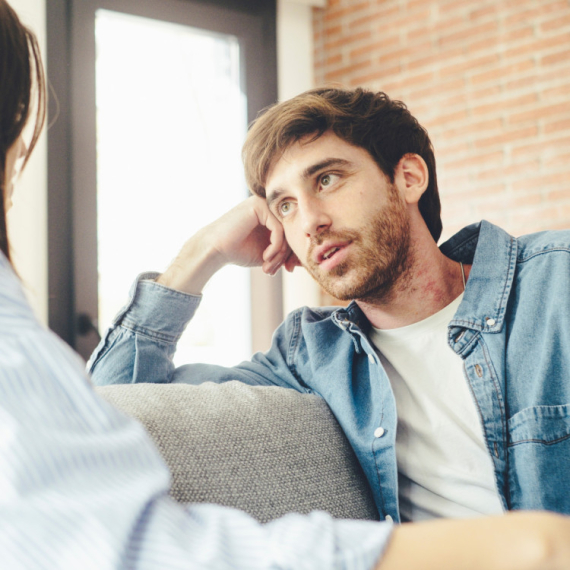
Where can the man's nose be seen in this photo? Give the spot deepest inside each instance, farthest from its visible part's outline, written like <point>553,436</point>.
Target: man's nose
<point>314,217</point>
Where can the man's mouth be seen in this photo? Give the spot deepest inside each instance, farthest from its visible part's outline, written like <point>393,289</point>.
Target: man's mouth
<point>326,253</point>
<point>330,252</point>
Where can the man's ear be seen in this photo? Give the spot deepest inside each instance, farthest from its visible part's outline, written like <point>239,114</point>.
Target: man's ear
<point>412,177</point>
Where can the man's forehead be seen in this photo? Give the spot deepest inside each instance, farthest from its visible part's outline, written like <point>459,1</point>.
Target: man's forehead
<point>306,151</point>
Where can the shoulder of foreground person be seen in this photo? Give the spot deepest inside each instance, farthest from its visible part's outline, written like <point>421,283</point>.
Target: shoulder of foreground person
<point>83,485</point>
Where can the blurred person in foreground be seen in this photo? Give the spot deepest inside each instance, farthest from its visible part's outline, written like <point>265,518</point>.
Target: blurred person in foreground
<point>82,486</point>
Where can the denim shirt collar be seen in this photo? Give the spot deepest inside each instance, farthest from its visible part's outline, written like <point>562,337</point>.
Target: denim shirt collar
<point>493,254</point>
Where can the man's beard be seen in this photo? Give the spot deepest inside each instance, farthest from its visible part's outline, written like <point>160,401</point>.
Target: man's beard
<point>379,261</point>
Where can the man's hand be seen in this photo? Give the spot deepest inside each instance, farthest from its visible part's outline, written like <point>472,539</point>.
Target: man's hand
<point>248,235</point>
<point>515,541</point>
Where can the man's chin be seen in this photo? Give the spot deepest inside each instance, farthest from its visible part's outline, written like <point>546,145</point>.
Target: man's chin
<point>343,288</point>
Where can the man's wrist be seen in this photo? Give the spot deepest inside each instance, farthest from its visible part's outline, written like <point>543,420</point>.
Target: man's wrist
<point>196,263</point>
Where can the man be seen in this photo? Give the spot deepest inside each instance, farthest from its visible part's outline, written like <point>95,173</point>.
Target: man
<point>467,342</point>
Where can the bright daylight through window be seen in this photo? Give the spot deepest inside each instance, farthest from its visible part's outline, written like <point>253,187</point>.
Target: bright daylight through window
<point>171,118</point>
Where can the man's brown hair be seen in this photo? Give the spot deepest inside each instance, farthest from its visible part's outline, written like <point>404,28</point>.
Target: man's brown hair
<point>372,121</point>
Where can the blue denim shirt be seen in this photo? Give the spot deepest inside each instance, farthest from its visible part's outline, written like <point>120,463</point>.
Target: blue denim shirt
<point>512,330</point>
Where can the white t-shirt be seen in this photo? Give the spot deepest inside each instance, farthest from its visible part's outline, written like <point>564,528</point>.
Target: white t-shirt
<point>444,467</point>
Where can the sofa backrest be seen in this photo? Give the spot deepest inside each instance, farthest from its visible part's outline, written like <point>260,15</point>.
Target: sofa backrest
<point>265,450</point>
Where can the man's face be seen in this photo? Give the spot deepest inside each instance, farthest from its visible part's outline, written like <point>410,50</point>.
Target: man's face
<point>344,220</point>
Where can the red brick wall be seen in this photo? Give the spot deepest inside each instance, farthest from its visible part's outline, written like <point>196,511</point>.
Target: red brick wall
<point>489,79</point>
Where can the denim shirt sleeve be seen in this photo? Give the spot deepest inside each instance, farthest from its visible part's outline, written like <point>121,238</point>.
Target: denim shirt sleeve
<point>140,345</point>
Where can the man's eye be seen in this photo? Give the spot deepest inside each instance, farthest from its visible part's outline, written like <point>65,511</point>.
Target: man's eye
<point>327,180</point>
<point>284,208</point>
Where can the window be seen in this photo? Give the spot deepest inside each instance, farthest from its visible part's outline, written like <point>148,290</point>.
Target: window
<point>160,94</point>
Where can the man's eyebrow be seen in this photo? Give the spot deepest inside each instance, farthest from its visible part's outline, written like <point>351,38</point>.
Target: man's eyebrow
<point>308,173</point>
<point>328,162</point>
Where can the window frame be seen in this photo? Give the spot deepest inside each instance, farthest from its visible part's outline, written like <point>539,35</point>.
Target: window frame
<point>72,184</point>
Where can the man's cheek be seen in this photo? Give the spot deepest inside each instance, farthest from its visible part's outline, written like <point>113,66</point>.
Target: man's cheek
<point>299,254</point>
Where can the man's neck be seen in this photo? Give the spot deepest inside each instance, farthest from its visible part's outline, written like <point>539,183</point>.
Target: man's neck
<point>432,282</point>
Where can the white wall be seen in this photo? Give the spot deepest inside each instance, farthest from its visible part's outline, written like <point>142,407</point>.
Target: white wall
<point>295,75</point>
<point>28,217</point>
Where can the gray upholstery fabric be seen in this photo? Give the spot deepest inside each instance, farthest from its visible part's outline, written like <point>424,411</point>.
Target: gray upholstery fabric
<point>267,451</point>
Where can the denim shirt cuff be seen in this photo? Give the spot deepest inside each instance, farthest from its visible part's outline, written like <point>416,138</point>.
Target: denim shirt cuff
<point>156,310</point>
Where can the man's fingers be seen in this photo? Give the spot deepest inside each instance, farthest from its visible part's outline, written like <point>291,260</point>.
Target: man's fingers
<point>278,249</point>
<point>291,262</point>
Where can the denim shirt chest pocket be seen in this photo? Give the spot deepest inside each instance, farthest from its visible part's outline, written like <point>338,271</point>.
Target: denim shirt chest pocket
<point>539,457</point>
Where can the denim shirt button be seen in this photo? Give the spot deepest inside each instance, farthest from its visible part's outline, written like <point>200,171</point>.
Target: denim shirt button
<point>379,432</point>
<point>371,359</point>
<point>490,322</point>
<point>389,518</point>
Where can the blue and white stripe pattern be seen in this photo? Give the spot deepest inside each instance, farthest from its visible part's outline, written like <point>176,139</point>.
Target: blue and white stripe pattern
<point>82,486</point>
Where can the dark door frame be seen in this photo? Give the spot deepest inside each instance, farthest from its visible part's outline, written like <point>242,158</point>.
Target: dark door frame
<point>72,224</point>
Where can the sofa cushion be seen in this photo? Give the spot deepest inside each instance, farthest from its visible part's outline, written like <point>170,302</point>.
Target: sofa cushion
<point>265,450</point>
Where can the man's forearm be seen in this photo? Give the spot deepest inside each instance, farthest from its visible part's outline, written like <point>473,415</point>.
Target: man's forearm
<point>248,235</point>
<point>516,541</point>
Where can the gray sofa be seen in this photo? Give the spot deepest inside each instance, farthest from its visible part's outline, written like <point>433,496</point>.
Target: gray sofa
<point>266,451</point>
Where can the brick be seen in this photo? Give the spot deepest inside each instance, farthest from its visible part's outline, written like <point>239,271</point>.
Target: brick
<point>559,57</point>
<point>435,59</point>
<point>540,112</point>
<point>522,15</point>
<point>456,5</point>
<point>507,137</point>
<point>556,126</point>
<point>468,32</point>
<point>492,43</point>
<point>538,45</point>
<point>484,12</point>
<point>433,29</point>
<point>402,22</point>
<point>441,88</point>
<point>333,60</point>
<point>539,147</point>
<point>449,118</point>
<point>337,13</point>
<point>397,55</point>
<point>366,80</point>
<point>555,23</point>
<point>558,160</point>
<point>504,104</point>
<point>512,36</point>
<point>415,4</point>
<point>469,65</point>
<point>536,182</point>
<point>483,191</point>
<point>481,126</point>
<point>346,39</point>
<point>503,71</point>
<point>477,160</point>
<point>517,4</point>
<point>339,73</point>
<point>333,30</point>
<point>374,16</point>
<point>508,172</point>
<point>555,92</point>
<point>381,45</point>
<point>558,195</point>
<point>412,80</point>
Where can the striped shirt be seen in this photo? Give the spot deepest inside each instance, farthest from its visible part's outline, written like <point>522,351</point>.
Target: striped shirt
<point>83,487</point>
